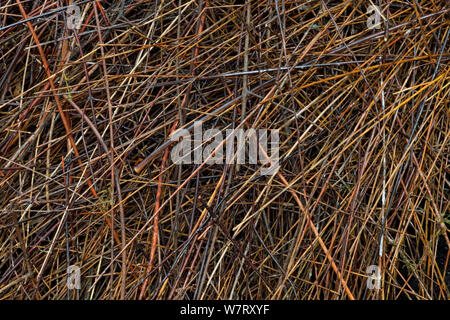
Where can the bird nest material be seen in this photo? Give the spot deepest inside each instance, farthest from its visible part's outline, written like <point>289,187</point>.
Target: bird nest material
<point>92,91</point>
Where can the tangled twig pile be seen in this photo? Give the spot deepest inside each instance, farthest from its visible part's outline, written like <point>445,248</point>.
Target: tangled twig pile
<point>87,179</point>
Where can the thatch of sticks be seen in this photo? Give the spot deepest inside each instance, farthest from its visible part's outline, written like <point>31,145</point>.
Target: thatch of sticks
<point>359,208</point>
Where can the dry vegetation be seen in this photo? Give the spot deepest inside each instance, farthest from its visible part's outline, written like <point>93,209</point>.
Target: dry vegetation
<point>86,178</point>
